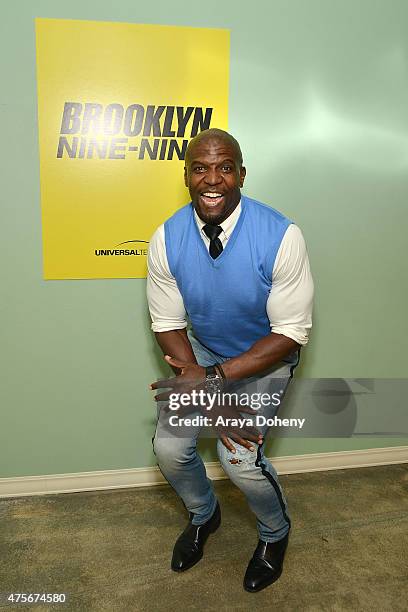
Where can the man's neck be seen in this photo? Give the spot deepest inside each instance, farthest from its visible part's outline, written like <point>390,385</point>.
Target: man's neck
<point>228,224</point>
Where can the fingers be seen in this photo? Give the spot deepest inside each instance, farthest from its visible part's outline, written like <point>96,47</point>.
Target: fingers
<point>242,442</point>
<point>183,411</point>
<point>165,383</point>
<point>228,444</point>
<point>173,383</point>
<point>248,432</point>
<point>163,397</point>
<point>238,439</point>
<point>176,363</point>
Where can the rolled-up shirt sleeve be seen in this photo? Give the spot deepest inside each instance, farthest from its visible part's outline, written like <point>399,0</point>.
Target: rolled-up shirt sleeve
<point>164,298</point>
<point>290,302</point>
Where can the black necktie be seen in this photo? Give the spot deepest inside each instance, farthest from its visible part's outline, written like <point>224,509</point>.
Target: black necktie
<point>213,231</point>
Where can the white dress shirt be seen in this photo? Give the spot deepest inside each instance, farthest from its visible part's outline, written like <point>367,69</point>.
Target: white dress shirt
<point>290,300</point>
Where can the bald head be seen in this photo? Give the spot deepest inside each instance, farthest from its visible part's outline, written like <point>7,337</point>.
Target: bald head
<point>214,134</point>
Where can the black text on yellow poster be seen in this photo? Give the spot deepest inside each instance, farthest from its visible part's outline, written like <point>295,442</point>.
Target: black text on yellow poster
<point>117,105</point>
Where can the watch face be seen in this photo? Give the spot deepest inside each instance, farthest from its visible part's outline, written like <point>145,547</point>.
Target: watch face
<point>213,385</point>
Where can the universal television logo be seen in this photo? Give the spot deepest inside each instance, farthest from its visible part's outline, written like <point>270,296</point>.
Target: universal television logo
<point>115,252</point>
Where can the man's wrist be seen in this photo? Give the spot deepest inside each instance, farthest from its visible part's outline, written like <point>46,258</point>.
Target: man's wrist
<point>213,380</point>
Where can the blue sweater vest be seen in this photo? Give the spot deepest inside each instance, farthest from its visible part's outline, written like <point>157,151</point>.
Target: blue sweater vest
<point>225,298</point>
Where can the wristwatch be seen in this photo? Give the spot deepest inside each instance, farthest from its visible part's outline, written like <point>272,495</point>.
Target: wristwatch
<point>213,381</point>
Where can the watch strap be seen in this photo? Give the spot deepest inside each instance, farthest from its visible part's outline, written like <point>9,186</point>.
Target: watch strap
<point>211,372</point>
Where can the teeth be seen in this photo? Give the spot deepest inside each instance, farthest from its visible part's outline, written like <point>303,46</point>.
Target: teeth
<point>212,195</point>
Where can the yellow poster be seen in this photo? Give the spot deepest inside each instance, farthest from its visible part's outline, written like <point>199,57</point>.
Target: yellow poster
<point>117,106</point>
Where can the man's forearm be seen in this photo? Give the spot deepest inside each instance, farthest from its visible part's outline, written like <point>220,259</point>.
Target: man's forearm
<point>262,355</point>
<point>176,344</point>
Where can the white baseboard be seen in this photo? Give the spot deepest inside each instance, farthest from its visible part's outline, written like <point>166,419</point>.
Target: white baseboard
<point>151,476</point>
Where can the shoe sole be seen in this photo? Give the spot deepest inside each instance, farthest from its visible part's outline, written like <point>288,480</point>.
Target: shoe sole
<point>190,565</point>
<point>274,579</point>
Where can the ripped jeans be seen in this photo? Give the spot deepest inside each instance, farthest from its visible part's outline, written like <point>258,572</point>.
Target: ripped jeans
<point>251,471</point>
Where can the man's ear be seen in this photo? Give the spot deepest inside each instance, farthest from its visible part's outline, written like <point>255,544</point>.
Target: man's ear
<point>185,176</point>
<point>242,175</point>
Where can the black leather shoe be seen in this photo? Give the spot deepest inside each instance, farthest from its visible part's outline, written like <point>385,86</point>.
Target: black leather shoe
<point>266,565</point>
<point>188,549</point>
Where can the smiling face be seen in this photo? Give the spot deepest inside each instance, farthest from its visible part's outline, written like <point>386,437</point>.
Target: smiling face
<point>214,175</point>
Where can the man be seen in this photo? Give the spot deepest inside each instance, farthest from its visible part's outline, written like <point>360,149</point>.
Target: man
<point>241,272</point>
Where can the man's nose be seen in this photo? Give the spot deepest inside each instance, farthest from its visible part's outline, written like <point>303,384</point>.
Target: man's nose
<point>213,177</point>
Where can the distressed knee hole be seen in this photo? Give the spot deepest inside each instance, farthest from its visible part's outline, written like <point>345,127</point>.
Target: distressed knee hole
<point>235,461</point>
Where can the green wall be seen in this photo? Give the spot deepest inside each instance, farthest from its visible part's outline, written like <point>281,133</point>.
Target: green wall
<point>318,100</point>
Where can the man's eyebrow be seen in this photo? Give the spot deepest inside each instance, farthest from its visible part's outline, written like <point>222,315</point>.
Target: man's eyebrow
<point>224,161</point>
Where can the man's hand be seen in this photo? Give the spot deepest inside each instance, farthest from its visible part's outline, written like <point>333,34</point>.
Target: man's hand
<point>192,377</point>
<point>241,435</point>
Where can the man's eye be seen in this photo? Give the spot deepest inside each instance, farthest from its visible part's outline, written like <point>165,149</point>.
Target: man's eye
<point>199,169</point>
<point>226,168</point>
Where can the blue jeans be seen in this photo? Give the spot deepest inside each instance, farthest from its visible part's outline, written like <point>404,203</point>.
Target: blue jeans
<point>251,471</point>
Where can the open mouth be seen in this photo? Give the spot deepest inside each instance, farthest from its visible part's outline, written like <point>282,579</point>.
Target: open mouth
<point>211,198</point>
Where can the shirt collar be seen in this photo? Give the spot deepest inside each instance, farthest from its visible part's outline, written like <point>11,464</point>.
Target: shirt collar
<point>227,225</point>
